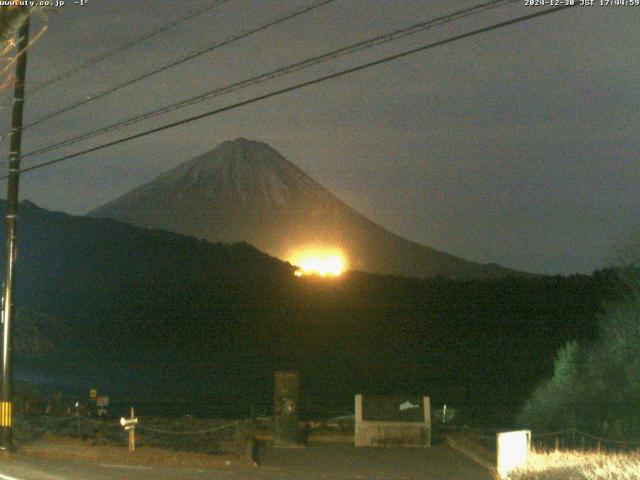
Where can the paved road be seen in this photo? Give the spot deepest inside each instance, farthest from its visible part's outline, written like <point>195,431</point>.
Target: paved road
<point>56,469</point>
<point>342,462</point>
<point>314,462</point>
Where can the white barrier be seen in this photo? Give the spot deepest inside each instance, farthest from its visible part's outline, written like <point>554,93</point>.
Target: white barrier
<point>513,450</point>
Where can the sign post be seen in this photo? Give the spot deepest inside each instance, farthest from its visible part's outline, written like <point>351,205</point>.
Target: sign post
<point>102,402</point>
<point>129,425</point>
<point>285,409</point>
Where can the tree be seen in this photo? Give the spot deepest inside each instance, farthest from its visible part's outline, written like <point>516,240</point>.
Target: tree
<point>598,382</point>
<point>554,404</point>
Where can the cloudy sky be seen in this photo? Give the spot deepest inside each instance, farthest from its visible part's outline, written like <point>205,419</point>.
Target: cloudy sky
<point>518,146</point>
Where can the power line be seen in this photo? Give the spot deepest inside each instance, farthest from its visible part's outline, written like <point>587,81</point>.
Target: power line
<point>279,72</point>
<point>117,51</point>
<point>126,46</point>
<point>191,56</point>
<point>298,86</point>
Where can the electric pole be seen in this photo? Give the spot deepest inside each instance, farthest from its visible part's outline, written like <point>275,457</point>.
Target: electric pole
<point>6,413</point>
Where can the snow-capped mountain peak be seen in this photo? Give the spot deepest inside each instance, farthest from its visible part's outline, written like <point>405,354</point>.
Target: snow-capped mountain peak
<point>245,190</point>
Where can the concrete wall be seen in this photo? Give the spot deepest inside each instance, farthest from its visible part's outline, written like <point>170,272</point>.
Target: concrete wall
<point>393,433</point>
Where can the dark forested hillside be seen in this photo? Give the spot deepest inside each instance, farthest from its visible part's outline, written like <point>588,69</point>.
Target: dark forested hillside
<point>151,313</point>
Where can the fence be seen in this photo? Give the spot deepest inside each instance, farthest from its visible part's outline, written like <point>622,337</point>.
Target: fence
<point>567,439</point>
<point>574,439</point>
<point>184,434</point>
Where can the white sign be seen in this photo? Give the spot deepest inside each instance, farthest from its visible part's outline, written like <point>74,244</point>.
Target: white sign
<point>128,423</point>
<point>513,449</point>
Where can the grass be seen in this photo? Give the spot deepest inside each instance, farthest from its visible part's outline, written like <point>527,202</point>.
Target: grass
<point>574,465</point>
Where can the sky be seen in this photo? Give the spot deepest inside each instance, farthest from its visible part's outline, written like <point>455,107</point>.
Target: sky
<point>518,146</point>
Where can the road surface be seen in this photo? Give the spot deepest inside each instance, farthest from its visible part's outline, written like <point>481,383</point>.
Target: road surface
<point>313,462</point>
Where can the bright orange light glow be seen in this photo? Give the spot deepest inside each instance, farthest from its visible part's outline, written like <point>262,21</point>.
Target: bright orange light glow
<point>325,262</point>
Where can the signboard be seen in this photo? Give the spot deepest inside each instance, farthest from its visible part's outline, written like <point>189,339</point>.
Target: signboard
<point>129,423</point>
<point>513,450</point>
<point>102,401</point>
<point>392,421</point>
<point>93,393</point>
<point>376,408</point>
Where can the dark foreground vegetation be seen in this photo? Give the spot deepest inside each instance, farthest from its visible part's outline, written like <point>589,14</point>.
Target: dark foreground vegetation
<point>152,316</point>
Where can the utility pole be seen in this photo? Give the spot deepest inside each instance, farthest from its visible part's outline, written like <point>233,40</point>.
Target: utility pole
<point>6,413</point>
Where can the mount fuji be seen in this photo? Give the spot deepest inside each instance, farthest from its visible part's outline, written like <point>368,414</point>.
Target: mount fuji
<point>246,191</point>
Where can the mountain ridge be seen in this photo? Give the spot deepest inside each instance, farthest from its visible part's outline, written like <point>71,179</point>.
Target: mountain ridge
<point>142,312</point>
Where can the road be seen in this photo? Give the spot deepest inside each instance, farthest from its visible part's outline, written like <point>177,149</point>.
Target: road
<point>314,462</point>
